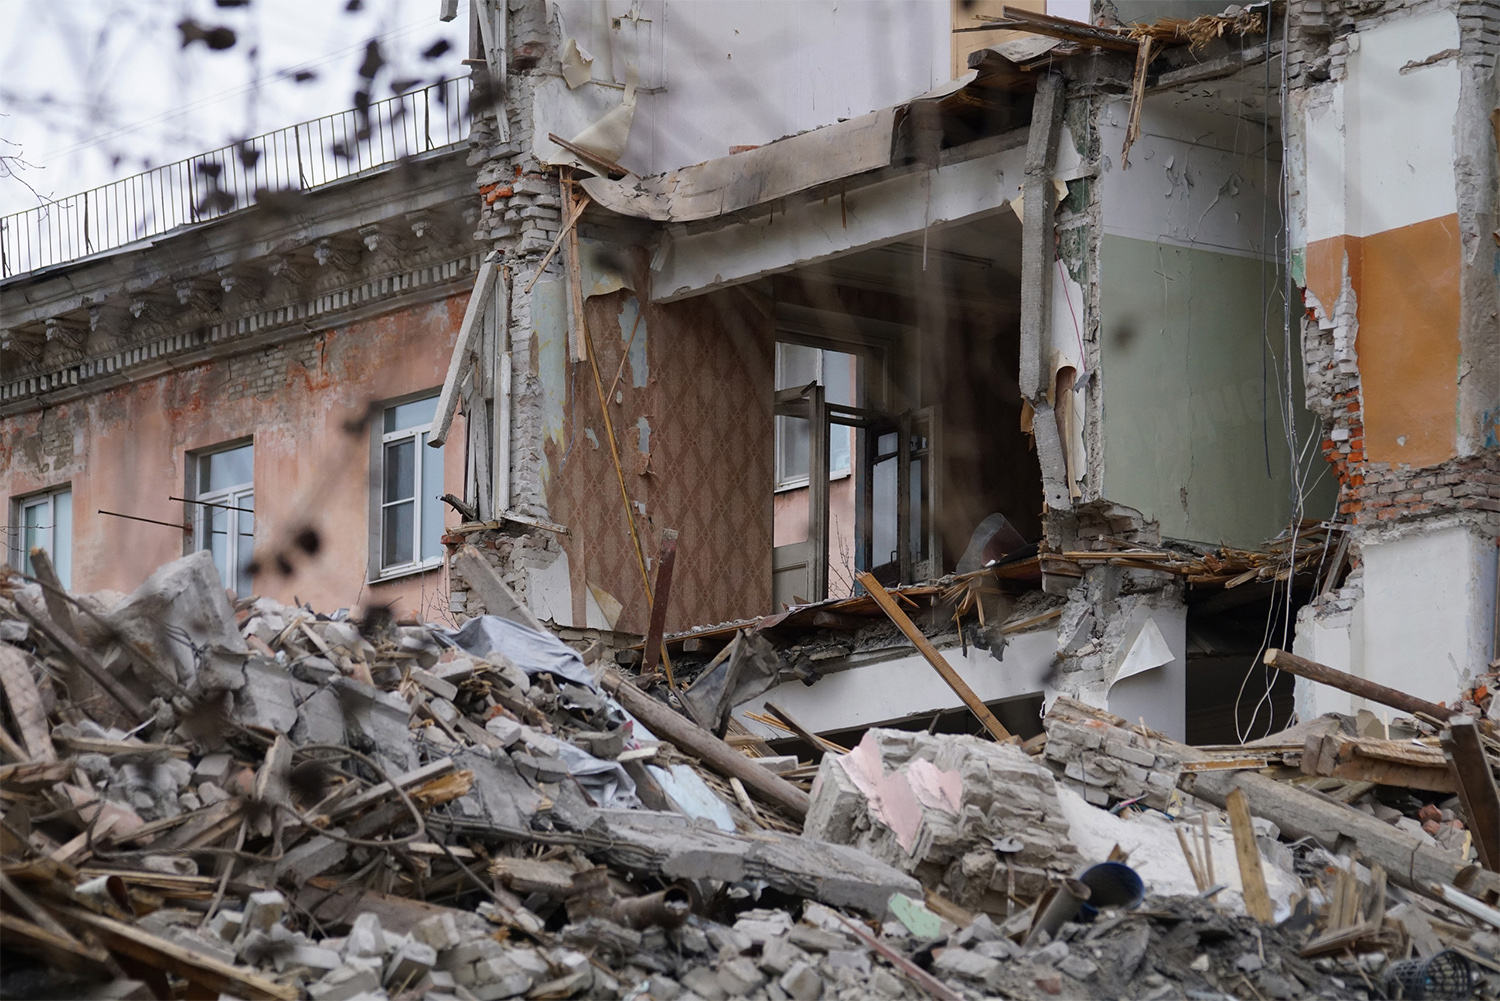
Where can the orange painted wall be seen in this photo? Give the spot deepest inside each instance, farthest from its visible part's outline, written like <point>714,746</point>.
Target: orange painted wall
<point>1406,284</point>
<point>130,446</point>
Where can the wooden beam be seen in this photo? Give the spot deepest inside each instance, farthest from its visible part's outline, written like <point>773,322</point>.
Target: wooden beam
<point>926,649</point>
<point>1020,19</point>
<point>1408,861</point>
<point>1252,878</point>
<point>25,701</point>
<point>818,744</point>
<point>127,699</point>
<point>196,968</point>
<point>463,347</point>
<point>1325,675</point>
<point>1476,787</point>
<point>663,593</point>
<point>693,739</point>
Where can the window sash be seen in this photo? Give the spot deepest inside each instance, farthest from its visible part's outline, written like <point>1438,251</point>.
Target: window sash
<point>47,521</point>
<point>407,541</point>
<point>791,471</point>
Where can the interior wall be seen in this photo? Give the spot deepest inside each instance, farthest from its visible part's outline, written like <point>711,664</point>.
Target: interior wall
<point>1191,315</point>
<point>692,416</point>
<point>125,450</point>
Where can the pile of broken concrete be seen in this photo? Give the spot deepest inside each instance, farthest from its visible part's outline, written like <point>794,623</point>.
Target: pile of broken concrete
<point>205,797</point>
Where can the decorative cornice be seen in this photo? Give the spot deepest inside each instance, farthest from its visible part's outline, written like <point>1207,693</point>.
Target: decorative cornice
<point>319,311</point>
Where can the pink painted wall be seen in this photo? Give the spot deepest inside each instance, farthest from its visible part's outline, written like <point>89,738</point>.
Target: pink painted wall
<point>125,450</point>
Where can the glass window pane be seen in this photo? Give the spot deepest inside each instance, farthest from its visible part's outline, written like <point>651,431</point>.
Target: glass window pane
<point>400,470</point>
<point>417,413</point>
<point>218,542</point>
<point>244,542</point>
<point>839,437</point>
<point>432,508</point>
<point>33,518</point>
<point>396,534</point>
<point>228,469</point>
<point>62,536</point>
<point>796,365</point>
<point>883,519</point>
<point>838,377</point>
<point>793,452</point>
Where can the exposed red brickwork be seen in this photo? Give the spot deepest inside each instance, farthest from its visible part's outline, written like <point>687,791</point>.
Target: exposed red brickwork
<point>1380,492</point>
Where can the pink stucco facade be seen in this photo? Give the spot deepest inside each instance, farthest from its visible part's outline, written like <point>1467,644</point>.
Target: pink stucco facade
<point>303,402</point>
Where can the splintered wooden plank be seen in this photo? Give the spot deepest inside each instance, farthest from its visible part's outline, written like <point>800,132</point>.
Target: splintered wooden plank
<point>1247,853</point>
<point>196,968</point>
<point>927,650</point>
<point>1476,787</point>
<point>25,701</point>
<point>658,625</point>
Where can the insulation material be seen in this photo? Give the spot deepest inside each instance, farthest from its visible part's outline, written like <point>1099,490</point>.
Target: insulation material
<point>1070,373</point>
<point>1146,652</point>
<point>577,64</point>
<point>610,134</point>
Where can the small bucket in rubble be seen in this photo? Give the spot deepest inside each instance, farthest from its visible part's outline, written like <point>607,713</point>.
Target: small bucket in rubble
<point>1111,884</point>
<point>1446,975</point>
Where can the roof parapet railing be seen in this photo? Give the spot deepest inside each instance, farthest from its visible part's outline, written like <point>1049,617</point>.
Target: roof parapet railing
<point>300,157</point>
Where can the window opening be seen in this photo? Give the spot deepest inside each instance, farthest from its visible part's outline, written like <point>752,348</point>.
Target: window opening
<point>799,365</point>
<point>411,477</point>
<point>47,522</point>
<point>224,515</point>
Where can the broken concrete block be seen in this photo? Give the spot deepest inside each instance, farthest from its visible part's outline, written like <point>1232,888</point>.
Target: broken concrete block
<point>213,768</point>
<point>263,910</point>
<point>1050,954</point>
<point>316,958</point>
<point>702,981</point>
<point>998,948</point>
<point>365,937</point>
<point>408,964</point>
<point>1078,967</point>
<point>739,977</point>
<point>777,955</point>
<point>802,983</point>
<point>344,983</point>
<point>227,924</point>
<point>181,621</point>
<point>762,925</point>
<point>320,720</point>
<point>266,698</point>
<point>439,931</point>
<point>966,965</point>
<point>817,939</point>
<point>504,729</point>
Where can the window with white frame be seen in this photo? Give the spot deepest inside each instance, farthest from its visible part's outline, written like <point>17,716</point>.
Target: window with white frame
<point>798,365</point>
<point>411,482</point>
<point>46,521</point>
<point>223,483</point>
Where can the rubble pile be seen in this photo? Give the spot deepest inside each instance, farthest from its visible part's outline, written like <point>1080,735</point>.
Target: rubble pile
<point>208,798</point>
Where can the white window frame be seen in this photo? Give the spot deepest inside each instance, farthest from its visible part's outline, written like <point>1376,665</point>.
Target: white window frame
<point>234,497</point>
<point>21,550</point>
<point>417,500</point>
<point>800,480</point>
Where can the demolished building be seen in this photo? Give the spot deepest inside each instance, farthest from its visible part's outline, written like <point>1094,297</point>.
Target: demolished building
<point>1092,313</point>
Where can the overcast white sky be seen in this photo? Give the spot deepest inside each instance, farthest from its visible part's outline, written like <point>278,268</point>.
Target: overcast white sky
<point>95,90</point>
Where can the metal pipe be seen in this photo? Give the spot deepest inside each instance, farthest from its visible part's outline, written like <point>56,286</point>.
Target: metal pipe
<point>149,521</point>
<point>665,909</point>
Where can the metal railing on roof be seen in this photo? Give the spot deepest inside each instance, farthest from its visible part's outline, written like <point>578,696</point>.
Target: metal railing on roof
<point>210,185</point>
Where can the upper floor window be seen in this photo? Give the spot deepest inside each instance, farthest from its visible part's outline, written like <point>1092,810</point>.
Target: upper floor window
<point>223,485</point>
<point>798,365</point>
<point>411,481</point>
<point>46,521</point>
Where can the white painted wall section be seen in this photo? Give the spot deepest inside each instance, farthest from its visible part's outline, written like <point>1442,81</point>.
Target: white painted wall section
<point>722,73</point>
<point>1196,177</point>
<point>904,686</point>
<point>1401,147</point>
<point>1159,696</point>
<point>1429,601</point>
<point>1336,640</point>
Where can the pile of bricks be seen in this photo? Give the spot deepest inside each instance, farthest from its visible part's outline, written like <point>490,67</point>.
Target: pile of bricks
<point>1106,762</point>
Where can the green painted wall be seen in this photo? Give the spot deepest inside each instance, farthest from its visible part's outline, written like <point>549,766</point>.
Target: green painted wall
<point>1183,342</point>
